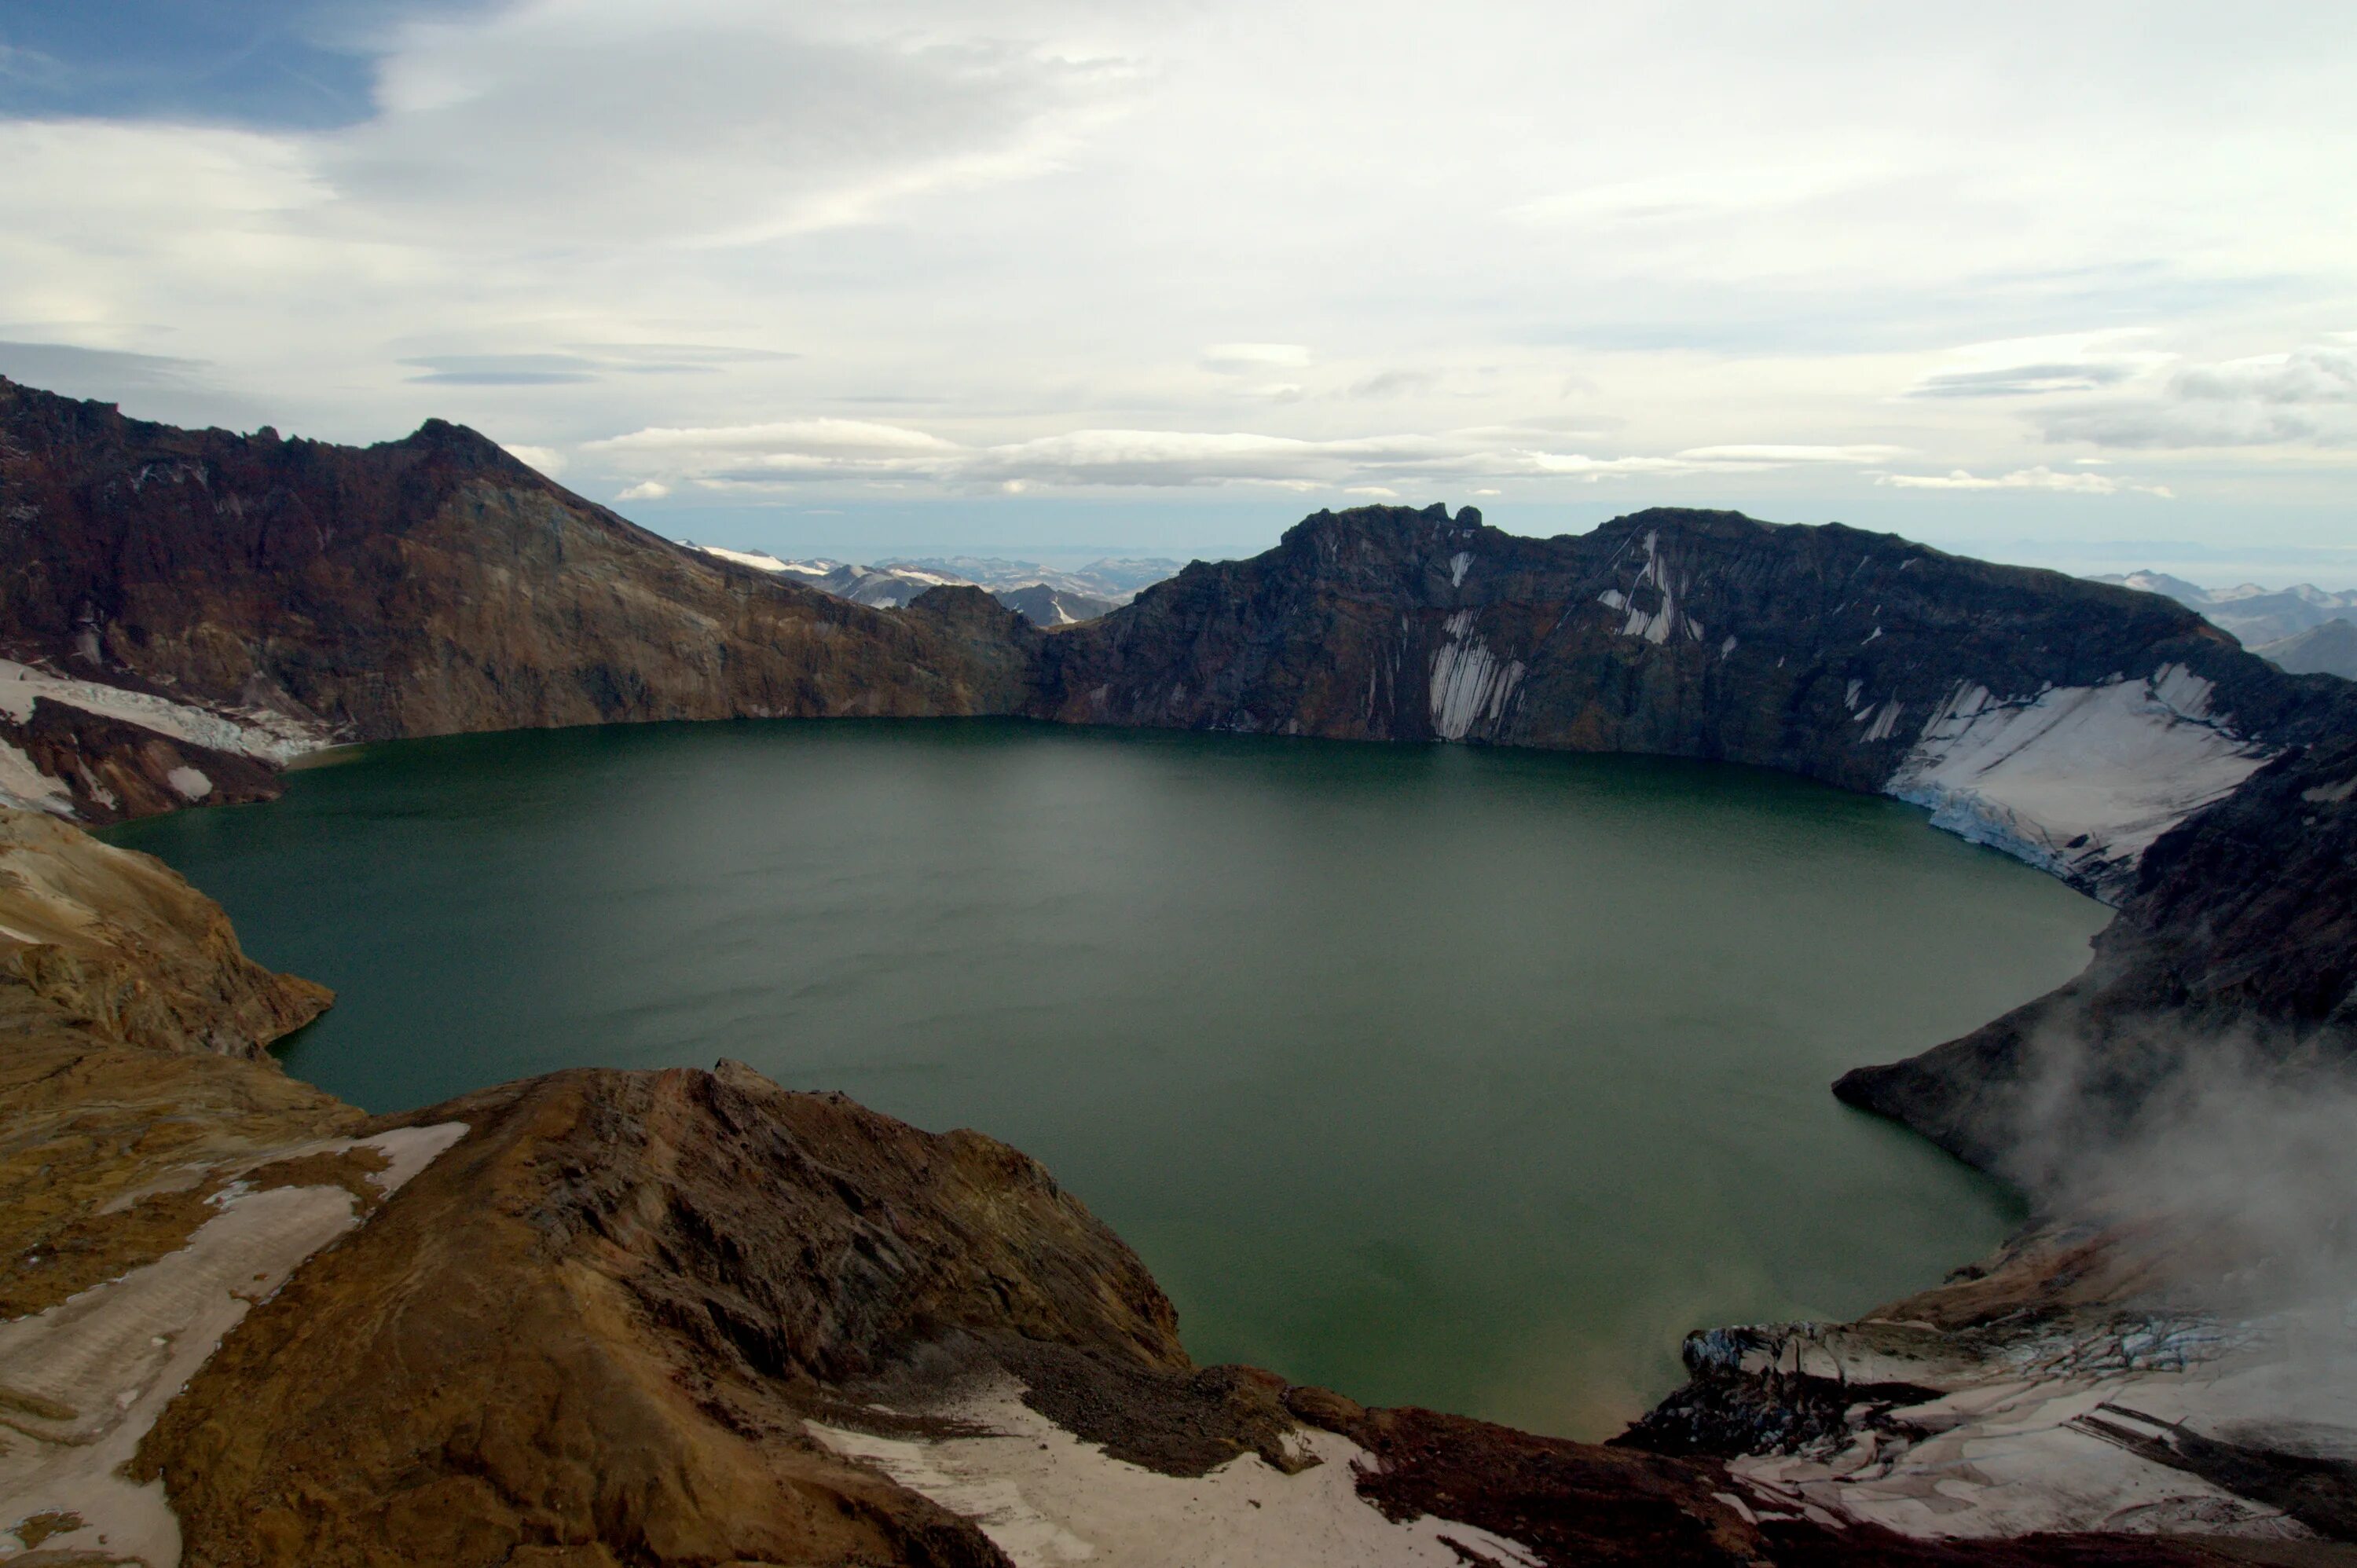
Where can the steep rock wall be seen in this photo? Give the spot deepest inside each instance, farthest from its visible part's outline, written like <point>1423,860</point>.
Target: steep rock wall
<point>2068,722</point>
<point>248,596</point>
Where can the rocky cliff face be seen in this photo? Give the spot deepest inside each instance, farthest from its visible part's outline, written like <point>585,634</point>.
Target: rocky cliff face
<point>238,599</point>
<point>2066,722</point>
<point>114,945</point>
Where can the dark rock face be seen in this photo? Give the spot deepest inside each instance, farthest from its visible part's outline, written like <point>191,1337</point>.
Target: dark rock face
<point>424,587</point>
<point>1681,633</point>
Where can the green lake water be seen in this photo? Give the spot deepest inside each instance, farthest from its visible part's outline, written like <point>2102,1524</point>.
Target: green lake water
<point>1437,1075</point>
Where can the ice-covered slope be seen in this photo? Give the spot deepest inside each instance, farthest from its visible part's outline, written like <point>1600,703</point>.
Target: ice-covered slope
<point>2075,777</point>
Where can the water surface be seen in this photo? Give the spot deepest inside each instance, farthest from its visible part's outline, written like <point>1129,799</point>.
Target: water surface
<point>1438,1075</point>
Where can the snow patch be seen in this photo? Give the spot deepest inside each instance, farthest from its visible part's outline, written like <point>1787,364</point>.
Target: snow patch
<point>22,784</point>
<point>1470,684</point>
<point>1047,1498</point>
<point>1664,623</point>
<point>760,560</point>
<point>1456,565</point>
<point>2079,780</point>
<point>249,732</point>
<point>190,782</point>
<point>115,1354</point>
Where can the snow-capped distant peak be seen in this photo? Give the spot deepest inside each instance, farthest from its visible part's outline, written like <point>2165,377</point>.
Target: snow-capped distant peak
<point>762,560</point>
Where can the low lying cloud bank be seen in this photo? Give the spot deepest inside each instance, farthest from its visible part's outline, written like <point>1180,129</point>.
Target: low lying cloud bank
<point>795,451</point>
<point>2080,482</point>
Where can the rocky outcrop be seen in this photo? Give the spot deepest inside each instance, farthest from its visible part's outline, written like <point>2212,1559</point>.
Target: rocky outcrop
<point>2085,1379</point>
<point>151,1169</point>
<point>253,595</point>
<point>108,943</point>
<point>603,1318</point>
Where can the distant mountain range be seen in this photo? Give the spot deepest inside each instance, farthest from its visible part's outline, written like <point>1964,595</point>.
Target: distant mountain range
<point>1043,596</point>
<point>2305,629</point>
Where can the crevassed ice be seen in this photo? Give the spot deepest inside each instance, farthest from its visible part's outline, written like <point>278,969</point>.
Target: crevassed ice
<point>2077,779</point>
<point>270,736</point>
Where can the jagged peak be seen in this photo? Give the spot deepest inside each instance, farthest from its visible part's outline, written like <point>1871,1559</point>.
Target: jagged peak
<point>441,434</point>
<point>1395,521</point>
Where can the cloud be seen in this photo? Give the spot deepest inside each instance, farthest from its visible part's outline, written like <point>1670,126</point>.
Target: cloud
<point>28,68</point>
<point>1394,383</point>
<point>1775,455</point>
<point>1691,194</point>
<point>742,122</point>
<point>503,370</point>
<point>786,451</point>
<point>548,460</point>
<point>588,362</point>
<point>799,451</point>
<point>644,490</point>
<point>64,368</point>
<point>1235,358</point>
<point>1040,221</point>
<point>2319,373</point>
<point>2306,396</point>
<point>2043,367</point>
<point>2038,478</point>
<point>2020,380</point>
<point>668,358</point>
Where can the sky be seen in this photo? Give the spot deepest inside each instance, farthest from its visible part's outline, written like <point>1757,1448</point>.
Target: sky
<point>2071,284</point>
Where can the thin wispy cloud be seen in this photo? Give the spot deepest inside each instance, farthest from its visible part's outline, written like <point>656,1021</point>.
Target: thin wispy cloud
<point>797,452</point>
<point>2085,482</point>
<point>2302,397</point>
